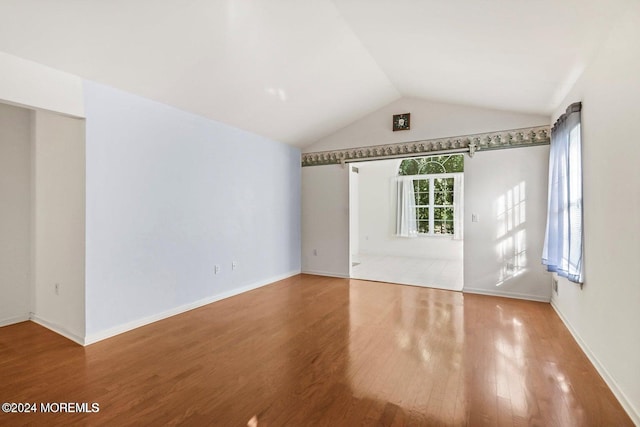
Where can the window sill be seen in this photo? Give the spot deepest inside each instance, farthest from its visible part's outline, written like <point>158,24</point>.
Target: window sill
<point>435,236</point>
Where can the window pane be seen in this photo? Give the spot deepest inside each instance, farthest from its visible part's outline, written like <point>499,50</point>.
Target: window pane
<point>409,167</point>
<point>421,190</point>
<point>443,227</point>
<point>432,165</point>
<point>422,213</point>
<point>443,214</point>
<point>454,163</point>
<point>443,198</point>
<point>449,184</point>
<point>423,226</point>
<point>437,227</point>
<point>443,184</point>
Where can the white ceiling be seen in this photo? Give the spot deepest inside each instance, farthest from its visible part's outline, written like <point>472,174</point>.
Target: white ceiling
<point>296,71</point>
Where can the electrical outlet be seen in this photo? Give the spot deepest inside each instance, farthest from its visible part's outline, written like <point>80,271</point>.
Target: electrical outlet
<point>315,252</point>
<point>555,285</point>
<point>216,269</point>
<point>56,288</point>
<point>234,264</point>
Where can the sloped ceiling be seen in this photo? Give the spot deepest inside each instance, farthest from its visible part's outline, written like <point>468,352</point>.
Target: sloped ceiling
<point>296,71</point>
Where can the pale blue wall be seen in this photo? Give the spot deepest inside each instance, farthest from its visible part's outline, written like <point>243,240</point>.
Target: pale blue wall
<point>170,194</point>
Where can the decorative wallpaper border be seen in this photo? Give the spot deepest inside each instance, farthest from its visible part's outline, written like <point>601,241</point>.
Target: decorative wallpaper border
<point>524,137</point>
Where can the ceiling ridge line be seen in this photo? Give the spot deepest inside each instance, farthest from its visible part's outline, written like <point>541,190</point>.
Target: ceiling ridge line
<point>367,50</point>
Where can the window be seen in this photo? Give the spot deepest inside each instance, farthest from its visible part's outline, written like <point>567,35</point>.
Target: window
<point>563,246</point>
<point>436,217</point>
<point>434,192</point>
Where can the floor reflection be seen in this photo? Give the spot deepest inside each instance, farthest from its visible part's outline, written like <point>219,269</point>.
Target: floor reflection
<point>449,358</point>
<point>413,361</point>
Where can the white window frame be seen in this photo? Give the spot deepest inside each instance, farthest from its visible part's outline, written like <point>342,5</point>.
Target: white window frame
<point>432,206</point>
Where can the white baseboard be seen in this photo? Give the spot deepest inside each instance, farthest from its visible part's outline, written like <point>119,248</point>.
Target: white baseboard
<point>632,411</point>
<point>57,329</point>
<point>111,332</point>
<point>325,273</point>
<point>516,295</point>
<point>15,319</point>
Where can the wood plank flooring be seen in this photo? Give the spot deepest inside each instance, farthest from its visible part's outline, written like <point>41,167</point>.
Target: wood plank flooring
<point>312,350</point>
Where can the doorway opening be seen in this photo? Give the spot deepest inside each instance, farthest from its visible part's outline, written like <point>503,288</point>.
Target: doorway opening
<point>406,221</point>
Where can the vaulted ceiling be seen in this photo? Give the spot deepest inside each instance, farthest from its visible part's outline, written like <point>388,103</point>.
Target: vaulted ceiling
<point>296,71</point>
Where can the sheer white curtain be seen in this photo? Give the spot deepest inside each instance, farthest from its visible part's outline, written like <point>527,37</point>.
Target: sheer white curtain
<point>458,206</point>
<point>563,247</point>
<point>406,225</point>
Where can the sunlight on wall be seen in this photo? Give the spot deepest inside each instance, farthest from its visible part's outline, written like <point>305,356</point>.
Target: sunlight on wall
<point>511,237</point>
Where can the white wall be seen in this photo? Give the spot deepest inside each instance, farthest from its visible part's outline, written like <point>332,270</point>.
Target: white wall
<point>354,213</point>
<point>33,85</point>
<point>55,190</point>
<point>604,315</point>
<point>170,195</point>
<point>15,214</point>
<point>428,120</point>
<point>325,220</point>
<point>507,190</point>
<point>325,188</point>
<point>59,223</point>
<point>377,218</point>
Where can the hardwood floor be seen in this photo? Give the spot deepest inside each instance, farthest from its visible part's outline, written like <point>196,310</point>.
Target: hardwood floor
<point>312,351</point>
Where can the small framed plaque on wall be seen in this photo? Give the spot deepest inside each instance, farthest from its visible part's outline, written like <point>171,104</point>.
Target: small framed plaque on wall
<point>401,121</point>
